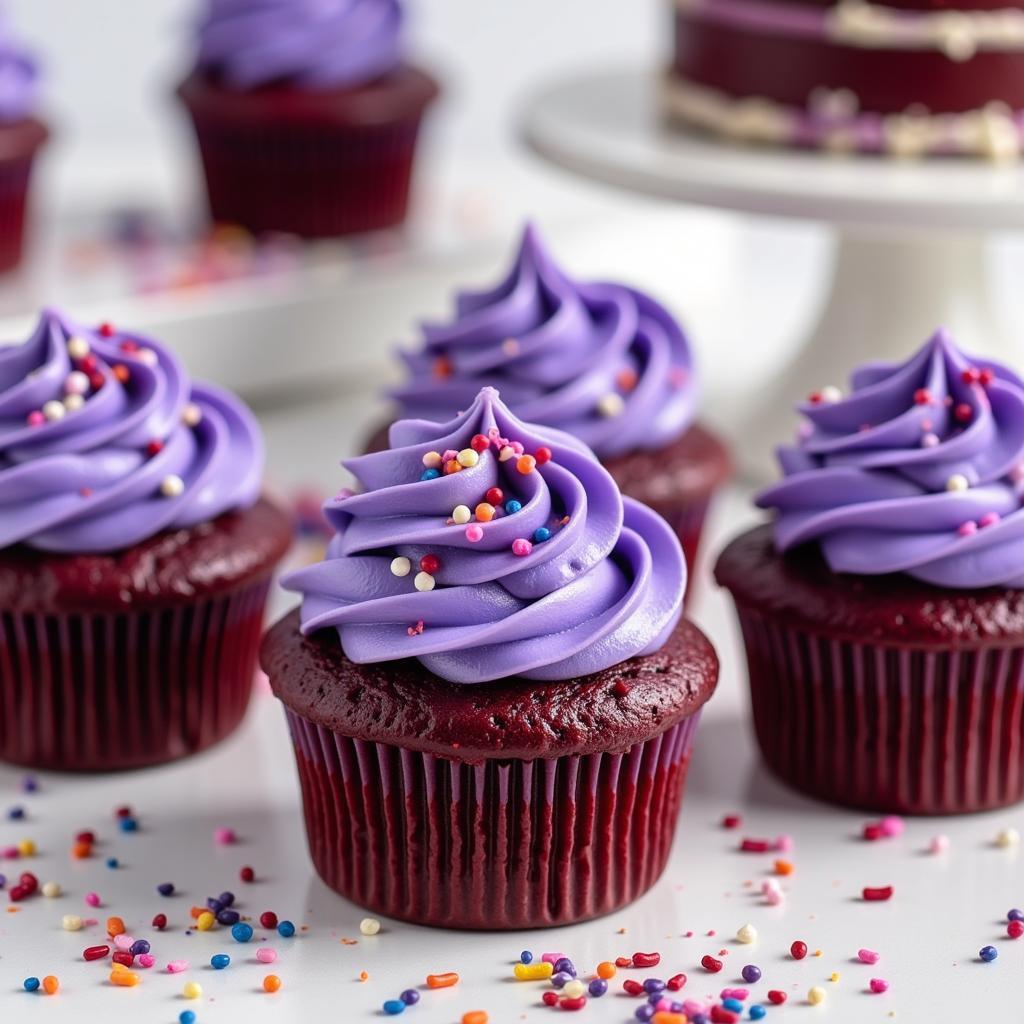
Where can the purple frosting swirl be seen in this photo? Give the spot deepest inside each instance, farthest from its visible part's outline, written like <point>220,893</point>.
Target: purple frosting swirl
<point>917,471</point>
<point>104,442</point>
<point>318,44</point>
<point>601,361</point>
<point>19,76</point>
<point>573,581</point>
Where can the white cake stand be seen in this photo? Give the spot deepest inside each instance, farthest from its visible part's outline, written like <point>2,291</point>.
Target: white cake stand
<point>910,253</point>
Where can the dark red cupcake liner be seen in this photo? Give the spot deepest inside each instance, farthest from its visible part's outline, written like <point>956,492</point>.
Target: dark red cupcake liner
<point>899,729</point>
<point>112,691</point>
<point>499,845</point>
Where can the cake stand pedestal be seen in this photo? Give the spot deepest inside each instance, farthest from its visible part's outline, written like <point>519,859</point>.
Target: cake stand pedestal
<point>910,253</point>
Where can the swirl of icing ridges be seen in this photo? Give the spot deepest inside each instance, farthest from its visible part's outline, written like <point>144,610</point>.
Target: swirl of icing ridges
<point>600,361</point>
<point>557,576</point>
<point>104,441</point>
<point>313,43</point>
<point>917,471</point>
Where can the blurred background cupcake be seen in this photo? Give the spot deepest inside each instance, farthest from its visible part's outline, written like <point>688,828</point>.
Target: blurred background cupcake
<point>306,114</point>
<point>21,135</point>
<point>601,361</point>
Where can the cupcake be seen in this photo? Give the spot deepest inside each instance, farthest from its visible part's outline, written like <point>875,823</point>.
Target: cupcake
<point>21,135</point>
<point>883,610</point>
<point>306,114</point>
<point>490,688</point>
<point>135,552</point>
<point>603,362</point>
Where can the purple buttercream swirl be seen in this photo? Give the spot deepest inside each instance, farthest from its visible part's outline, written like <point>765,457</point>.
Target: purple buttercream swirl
<point>917,471</point>
<point>601,361</point>
<point>606,584</point>
<point>104,442</point>
<point>318,44</point>
<point>18,77</point>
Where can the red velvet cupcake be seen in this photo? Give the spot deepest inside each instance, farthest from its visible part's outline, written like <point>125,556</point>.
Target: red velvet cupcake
<point>603,362</point>
<point>883,616</point>
<point>306,115</point>
<point>135,552</point>
<point>501,736</point>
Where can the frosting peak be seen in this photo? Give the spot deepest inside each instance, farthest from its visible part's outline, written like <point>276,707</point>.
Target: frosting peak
<point>600,361</point>
<point>488,548</point>
<point>104,441</point>
<point>918,470</point>
<point>320,44</point>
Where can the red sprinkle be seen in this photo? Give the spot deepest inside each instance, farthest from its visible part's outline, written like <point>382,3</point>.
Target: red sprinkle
<point>720,1015</point>
<point>963,413</point>
<point>247,874</point>
<point>756,845</point>
<point>633,988</point>
<point>542,455</point>
<point>620,688</point>
<point>95,952</point>
<point>549,998</point>
<point>268,919</point>
<point>495,496</point>
<point>872,832</point>
<point>565,1003</point>
<point>878,894</point>
<point>480,443</point>
<point>985,377</point>
<point>1015,929</point>
<point>646,959</point>
<point>676,982</point>
<point>623,961</point>
<point>17,893</point>
<point>123,812</point>
<point>922,396</point>
<point>798,950</point>
<point>160,922</point>
<point>29,882</point>
<point>123,957</point>
<point>777,996</point>
<point>155,447</point>
<point>430,563</point>
<point>710,964</point>
<point>106,329</point>
<point>87,836</point>
<point>732,821</point>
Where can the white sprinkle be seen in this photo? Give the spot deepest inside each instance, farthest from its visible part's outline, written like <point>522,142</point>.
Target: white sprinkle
<point>1008,837</point>
<point>73,402</point>
<point>71,923</point>
<point>830,394</point>
<point>147,356</point>
<point>77,383</point>
<point>369,926</point>
<point>957,482</point>
<point>400,566</point>
<point>51,890</point>
<point>929,440</point>
<point>191,415</point>
<point>432,460</point>
<point>506,453</point>
<point>171,486</point>
<point>78,348</point>
<point>747,934</point>
<point>461,515</point>
<point>424,581</point>
<point>611,405</point>
<point>938,844</point>
<point>54,410</point>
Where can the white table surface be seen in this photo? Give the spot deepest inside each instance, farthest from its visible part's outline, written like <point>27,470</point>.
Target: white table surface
<point>944,909</point>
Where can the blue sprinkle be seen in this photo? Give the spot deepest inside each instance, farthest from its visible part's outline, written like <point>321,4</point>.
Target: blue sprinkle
<point>128,824</point>
<point>31,984</point>
<point>165,888</point>
<point>285,929</point>
<point>512,506</point>
<point>732,1005</point>
<point>219,961</point>
<point>541,534</point>
<point>526,957</point>
<point>410,997</point>
<point>988,953</point>
<point>16,813</point>
<point>138,947</point>
<point>598,987</point>
<point>241,932</point>
<point>113,863</point>
<point>757,1012</point>
<point>394,1006</point>
<point>187,1017</point>
<point>427,474</point>
<point>29,784</point>
<point>228,917</point>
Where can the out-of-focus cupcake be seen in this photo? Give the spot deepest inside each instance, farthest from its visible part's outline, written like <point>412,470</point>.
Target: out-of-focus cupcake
<point>21,135</point>
<point>501,736</point>
<point>135,552</point>
<point>306,114</point>
<point>883,612</point>
<point>601,361</point>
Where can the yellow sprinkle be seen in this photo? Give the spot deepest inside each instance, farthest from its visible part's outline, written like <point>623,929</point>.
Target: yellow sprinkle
<point>205,921</point>
<point>818,952</point>
<point>27,848</point>
<point>192,990</point>
<point>574,989</point>
<point>533,972</point>
<point>834,976</point>
<point>467,457</point>
<point>816,995</point>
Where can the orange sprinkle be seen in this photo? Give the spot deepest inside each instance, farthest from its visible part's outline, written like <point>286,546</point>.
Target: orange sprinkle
<point>783,867</point>
<point>363,976</point>
<point>526,464</point>
<point>14,910</point>
<point>484,512</point>
<point>452,466</point>
<point>350,942</point>
<point>606,969</point>
<point>271,983</point>
<point>81,850</point>
<point>127,979</point>
<point>115,926</point>
<point>663,1017</point>
<point>442,980</point>
<point>442,367</point>
<point>818,952</point>
<point>626,379</point>
<point>475,1017</point>
<point>196,911</point>
<point>50,984</point>
<point>122,373</point>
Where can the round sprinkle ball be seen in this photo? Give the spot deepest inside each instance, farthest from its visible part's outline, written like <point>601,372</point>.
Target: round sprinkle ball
<point>758,1012</point>
<point>1007,838</point>
<point>467,458</point>
<point>224,836</point>
<point>71,923</point>
<point>747,934</point>
<point>400,566</point>
<point>192,990</point>
<point>574,989</point>
<point>219,961</point>
<point>410,997</point>
<point>242,932</point>
<point>423,582</point>
<point>474,533</point>
<point>187,1017</point>
<point>393,1007</point>
<point>266,954</point>
<point>286,929</point>
<point>30,984</point>
<point>432,460</point>
<point>751,973</point>
<point>988,953</point>
<point>541,534</point>
<point>521,547</point>
<point>461,515</point>
<point>816,995</point>
<point>369,926</point>
<point>957,482</point>
<point>271,983</point>
<point>51,890</point>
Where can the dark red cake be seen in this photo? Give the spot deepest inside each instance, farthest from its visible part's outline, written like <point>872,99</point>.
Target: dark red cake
<point>114,661</point>
<point>507,804</point>
<point>884,692</point>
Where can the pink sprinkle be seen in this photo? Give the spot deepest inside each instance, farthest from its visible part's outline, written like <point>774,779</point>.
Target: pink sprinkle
<point>177,966</point>
<point>989,519</point>
<point>92,899</point>
<point>868,956</point>
<point>553,958</point>
<point>879,985</point>
<point>449,454</point>
<point>929,440</point>
<point>266,954</point>
<point>784,844</point>
<point>521,547</point>
<point>123,941</point>
<point>146,959</point>
<point>691,1007</point>
<point>663,1005</point>
<point>967,529</point>
<point>12,852</point>
<point>893,825</point>
<point>35,418</point>
<point>926,424</point>
<point>938,844</point>
<point>771,892</point>
<point>734,993</point>
<point>224,836</point>
<point>493,433</point>
<point>517,447</point>
<point>474,533</point>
